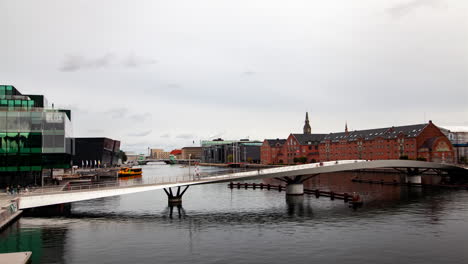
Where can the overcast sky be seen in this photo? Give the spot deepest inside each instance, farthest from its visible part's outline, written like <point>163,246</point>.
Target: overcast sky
<point>167,73</point>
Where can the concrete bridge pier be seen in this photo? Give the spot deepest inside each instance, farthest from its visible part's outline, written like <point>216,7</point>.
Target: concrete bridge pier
<point>295,186</point>
<point>414,179</point>
<point>295,189</point>
<point>175,199</point>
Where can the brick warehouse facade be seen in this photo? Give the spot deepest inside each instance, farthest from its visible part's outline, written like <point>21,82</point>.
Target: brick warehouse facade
<point>271,151</point>
<point>421,141</point>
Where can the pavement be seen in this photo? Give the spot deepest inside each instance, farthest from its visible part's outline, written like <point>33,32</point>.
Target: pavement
<point>16,258</point>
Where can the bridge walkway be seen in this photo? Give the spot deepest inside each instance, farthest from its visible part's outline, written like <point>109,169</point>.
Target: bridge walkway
<point>49,196</point>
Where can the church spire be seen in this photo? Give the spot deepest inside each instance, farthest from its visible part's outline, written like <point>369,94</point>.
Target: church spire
<point>307,129</point>
<point>346,128</point>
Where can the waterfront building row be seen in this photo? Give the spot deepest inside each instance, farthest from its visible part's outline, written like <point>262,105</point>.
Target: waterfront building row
<point>36,138</point>
<point>231,151</point>
<point>420,141</point>
<point>159,154</point>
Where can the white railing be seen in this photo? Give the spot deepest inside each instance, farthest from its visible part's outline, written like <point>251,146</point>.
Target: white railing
<point>192,179</point>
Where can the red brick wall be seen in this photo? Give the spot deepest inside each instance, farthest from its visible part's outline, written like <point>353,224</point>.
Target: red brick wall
<point>376,149</point>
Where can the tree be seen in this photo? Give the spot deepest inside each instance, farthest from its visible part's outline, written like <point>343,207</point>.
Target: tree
<point>122,156</point>
<point>302,160</point>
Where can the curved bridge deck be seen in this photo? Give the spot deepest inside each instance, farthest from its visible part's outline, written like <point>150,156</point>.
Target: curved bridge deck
<point>50,196</point>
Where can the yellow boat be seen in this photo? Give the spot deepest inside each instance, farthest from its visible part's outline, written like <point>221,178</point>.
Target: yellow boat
<point>130,171</point>
<point>127,178</point>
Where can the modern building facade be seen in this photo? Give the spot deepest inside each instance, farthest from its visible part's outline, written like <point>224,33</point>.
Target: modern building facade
<point>231,151</point>
<point>94,152</point>
<point>421,141</point>
<point>33,137</point>
<point>460,143</point>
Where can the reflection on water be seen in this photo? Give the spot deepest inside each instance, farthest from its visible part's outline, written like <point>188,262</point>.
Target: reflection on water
<point>216,224</point>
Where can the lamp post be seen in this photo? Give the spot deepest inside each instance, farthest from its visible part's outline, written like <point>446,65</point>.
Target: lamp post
<point>189,156</point>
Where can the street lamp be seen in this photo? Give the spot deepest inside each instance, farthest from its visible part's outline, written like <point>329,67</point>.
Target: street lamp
<point>189,156</point>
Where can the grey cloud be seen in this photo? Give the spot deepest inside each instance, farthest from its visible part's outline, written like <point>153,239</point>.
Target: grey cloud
<point>140,117</point>
<point>117,112</point>
<point>133,61</point>
<point>73,63</point>
<point>167,135</point>
<point>185,136</point>
<point>216,135</point>
<point>174,86</point>
<point>249,73</point>
<point>140,134</point>
<point>77,62</point>
<point>403,9</point>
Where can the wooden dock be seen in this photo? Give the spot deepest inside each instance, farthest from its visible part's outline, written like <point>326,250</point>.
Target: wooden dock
<point>333,195</point>
<point>396,183</point>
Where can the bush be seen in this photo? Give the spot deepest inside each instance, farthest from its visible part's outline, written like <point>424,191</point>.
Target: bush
<point>404,157</point>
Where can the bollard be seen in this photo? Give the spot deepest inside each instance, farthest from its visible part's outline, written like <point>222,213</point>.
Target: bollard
<point>332,196</point>
<point>246,185</point>
<point>279,188</point>
<point>261,186</point>
<point>254,185</point>
<point>238,185</point>
<point>268,186</point>
<point>317,193</point>
<point>345,197</point>
<point>231,185</point>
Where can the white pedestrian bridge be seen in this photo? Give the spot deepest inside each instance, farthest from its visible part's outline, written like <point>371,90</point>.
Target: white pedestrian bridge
<point>294,175</point>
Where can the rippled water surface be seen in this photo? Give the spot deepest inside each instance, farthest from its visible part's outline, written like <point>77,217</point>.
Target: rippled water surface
<point>219,225</point>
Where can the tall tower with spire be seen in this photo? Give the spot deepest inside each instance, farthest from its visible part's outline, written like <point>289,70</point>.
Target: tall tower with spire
<point>307,129</point>
<point>346,128</point>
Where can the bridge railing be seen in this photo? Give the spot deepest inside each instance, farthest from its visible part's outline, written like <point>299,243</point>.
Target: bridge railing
<point>203,177</point>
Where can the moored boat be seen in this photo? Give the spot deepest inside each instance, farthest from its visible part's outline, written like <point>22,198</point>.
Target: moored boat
<point>130,171</point>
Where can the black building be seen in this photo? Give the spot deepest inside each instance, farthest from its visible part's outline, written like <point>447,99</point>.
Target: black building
<point>231,151</point>
<point>96,151</point>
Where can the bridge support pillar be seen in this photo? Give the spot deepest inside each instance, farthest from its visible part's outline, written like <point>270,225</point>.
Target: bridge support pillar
<point>295,189</point>
<point>414,179</point>
<point>175,199</point>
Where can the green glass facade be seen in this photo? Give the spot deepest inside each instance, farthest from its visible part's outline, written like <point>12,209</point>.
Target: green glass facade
<point>32,136</point>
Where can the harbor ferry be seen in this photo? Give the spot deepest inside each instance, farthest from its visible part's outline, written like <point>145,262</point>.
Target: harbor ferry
<point>123,172</point>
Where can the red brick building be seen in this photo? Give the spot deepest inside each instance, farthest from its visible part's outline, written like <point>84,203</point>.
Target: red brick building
<point>302,146</point>
<point>422,141</point>
<point>271,151</point>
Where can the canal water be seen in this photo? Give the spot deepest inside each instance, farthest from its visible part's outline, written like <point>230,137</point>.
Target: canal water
<point>220,225</point>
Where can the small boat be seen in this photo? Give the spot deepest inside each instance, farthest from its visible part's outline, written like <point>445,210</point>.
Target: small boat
<point>130,171</point>
<point>132,177</point>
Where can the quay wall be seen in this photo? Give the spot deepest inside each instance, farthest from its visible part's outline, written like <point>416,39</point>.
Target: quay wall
<point>9,213</point>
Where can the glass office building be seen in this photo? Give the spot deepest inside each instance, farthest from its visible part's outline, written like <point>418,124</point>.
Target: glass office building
<point>33,137</point>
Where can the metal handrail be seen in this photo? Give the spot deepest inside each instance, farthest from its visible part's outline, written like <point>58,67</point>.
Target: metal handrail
<point>206,177</point>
